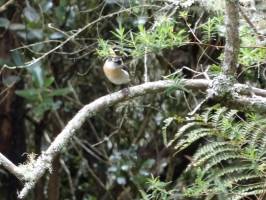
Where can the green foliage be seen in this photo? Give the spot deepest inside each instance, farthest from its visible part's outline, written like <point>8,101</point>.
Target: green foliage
<point>161,35</point>
<point>214,70</point>
<point>230,160</point>
<point>212,28</point>
<point>157,190</point>
<point>104,48</point>
<point>167,123</point>
<point>250,56</point>
<point>178,83</point>
<point>124,162</point>
<point>40,93</point>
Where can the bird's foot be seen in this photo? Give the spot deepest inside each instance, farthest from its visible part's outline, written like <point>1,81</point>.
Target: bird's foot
<point>125,91</point>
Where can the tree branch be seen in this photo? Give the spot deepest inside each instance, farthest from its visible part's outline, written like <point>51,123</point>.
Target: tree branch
<point>232,37</point>
<point>32,171</point>
<point>72,37</point>
<point>246,18</point>
<point>8,165</point>
<point>222,85</point>
<point>5,5</point>
<point>44,161</point>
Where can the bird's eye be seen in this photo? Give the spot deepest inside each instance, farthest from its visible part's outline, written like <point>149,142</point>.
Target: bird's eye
<point>119,62</point>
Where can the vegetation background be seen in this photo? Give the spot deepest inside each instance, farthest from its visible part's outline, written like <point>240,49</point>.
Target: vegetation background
<point>145,148</point>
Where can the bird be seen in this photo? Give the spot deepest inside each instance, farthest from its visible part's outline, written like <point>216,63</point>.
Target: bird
<point>115,71</point>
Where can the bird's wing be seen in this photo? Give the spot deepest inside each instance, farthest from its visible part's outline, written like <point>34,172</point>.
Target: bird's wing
<point>125,68</point>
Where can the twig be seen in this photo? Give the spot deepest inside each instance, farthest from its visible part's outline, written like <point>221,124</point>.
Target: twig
<point>64,42</point>
<point>70,182</point>
<point>70,38</point>
<point>260,36</point>
<point>198,106</point>
<point>222,47</point>
<point>35,44</point>
<point>77,140</point>
<point>199,42</point>
<point>146,78</point>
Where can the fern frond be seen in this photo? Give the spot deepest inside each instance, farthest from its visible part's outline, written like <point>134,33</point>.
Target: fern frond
<point>248,127</point>
<point>214,161</point>
<point>205,149</point>
<point>207,114</point>
<point>254,132</point>
<point>224,149</point>
<point>245,194</point>
<point>255,138</point>
<point>262,146</point>
<point>230,114</point>
<point>247,190</point>
<point>167,123</point>
<point>192,137</point>
<point>217,116</point>
<point>227,171</point>
<point>235,178</point>
<point>186,128</point>
<point>227,119</point>
<point>230,161</point>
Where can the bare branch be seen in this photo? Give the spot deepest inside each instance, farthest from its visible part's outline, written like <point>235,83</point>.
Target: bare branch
<point>260,36</point>
<point>146,78</point>
<point>72,37</point>
<point>5,5</point>
<point>44,161</point>
<point>251,103</point>
<point>8,165</point>
<point>243,96</point>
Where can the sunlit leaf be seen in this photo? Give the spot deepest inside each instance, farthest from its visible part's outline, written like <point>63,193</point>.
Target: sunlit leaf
<point>48,81</point>
<point>17,27</point>
<point>4,22</point>
<point>30,94</point>
<point>37,74</point>
<point>31,14</point>
<point>60,92</point>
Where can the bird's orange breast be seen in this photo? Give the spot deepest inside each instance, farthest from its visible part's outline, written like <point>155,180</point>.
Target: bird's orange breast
<point>112,73</point>
<point>116,75</point>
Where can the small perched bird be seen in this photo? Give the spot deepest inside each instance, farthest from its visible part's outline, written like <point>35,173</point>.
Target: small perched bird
<point>113,70</point>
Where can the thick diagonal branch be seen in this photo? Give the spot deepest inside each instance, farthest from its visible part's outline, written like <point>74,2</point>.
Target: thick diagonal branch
<point>9,166</point>
<point>44,161</point>
<point>245,96</point>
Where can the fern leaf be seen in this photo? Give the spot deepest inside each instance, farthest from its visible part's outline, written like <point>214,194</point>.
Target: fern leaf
<point>235,178</point>
<point>227,171</point>
<point>192,137</point>
<point>212,154</point>
<point>208,148</point>
<point>219,158</point>
<point>183,130</point>
<point>217,116</point>
<point>248,190</point>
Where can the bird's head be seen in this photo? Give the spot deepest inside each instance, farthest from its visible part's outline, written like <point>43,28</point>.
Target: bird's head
<point>114,62</point>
